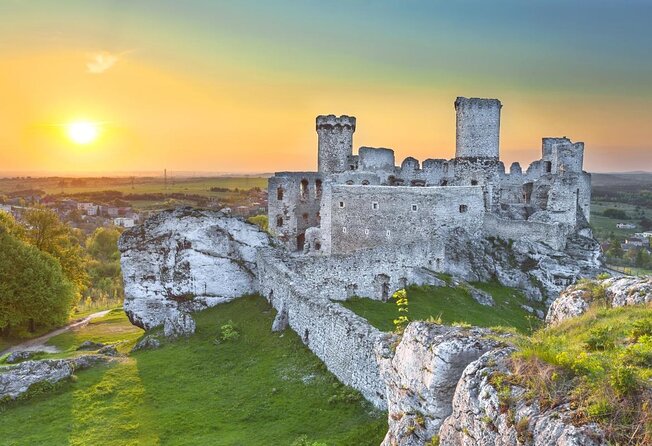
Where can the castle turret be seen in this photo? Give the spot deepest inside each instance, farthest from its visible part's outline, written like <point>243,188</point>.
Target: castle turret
<point>478,128</point>
<point>335,142</point>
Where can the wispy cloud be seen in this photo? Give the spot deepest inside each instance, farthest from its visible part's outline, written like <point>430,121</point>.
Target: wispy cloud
<point>101,61</point>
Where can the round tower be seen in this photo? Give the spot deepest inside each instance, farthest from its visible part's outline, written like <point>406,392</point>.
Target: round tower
<point>478,128</point>
<point>335,142</point>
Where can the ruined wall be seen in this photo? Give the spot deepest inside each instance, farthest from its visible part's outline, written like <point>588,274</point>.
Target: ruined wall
<point>293,206</point>
<point>341,339</point>
<point>374,273</point>
<point>477,128</point>
<point>552,234</point>
<point>369,216</point>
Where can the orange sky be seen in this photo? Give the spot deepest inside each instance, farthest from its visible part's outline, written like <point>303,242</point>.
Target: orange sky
<point>234,108</point>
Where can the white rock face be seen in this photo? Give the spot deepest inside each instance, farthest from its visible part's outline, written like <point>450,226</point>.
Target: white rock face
<point>477,418</point>
<point>186,260</point>
<point>619,292</point>
<point>421,376</point>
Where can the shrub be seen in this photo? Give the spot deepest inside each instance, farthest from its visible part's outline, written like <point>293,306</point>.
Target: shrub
<point>623,379</point>
<point>641,327</point>
<point>600,338</point>
<point>228,332</point>
<point>603,276</point>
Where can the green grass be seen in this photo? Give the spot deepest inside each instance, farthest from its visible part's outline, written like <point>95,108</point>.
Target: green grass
<point>602,361</point>
<point>604,226</point>
<point>452,304</point>
<point>260,389</point>
<point>111,328</point>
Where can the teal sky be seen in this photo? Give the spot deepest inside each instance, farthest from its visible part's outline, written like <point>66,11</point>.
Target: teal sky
<point>577,68</point>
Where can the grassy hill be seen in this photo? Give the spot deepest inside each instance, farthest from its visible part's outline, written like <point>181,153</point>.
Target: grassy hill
<point>261,388</point>
<point>452,305</point>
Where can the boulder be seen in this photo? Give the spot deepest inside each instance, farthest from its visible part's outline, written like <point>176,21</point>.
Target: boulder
<point>421,376</point>
<point>15,357</point>
<point>281,320</point>
<point>148,342</point>
<point>479,419</point>
<point>16,380</point>
<point>186,260</point>
<point>618,292</point>
<point>109,350</point>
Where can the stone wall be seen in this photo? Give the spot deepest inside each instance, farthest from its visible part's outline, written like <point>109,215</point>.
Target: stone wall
<point>293,206</point>
<point>370,216</point>
<point>373,273</point>
<point>341,339</point>
<point>554,235</point>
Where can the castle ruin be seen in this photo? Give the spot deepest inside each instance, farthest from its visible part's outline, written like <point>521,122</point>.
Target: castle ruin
<point>365,201</point>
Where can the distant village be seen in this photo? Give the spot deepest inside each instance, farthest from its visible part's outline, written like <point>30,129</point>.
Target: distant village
<point>89,215</point>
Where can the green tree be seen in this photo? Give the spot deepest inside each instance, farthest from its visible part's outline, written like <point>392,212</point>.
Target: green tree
<point>34,291</point>
<point>49,234</point>
<point>104,265</point>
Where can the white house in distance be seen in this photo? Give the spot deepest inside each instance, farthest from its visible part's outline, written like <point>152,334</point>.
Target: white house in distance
<point>124,222</point>
<point>626,226</point>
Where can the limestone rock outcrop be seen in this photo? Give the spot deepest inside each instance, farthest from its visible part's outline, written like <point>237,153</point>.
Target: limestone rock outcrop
<point>534,267</point>
<point>480,419</point>
<point>421,376</point>
<point>16,380</point>
<point>618,292</point>
<point>184,260</point>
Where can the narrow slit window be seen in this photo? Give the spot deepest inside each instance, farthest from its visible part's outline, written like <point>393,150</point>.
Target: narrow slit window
<point>279,193</point>
<point>463,208</point>
<point>374,205</point>
<point>415,208</point>
<point>341,204</point>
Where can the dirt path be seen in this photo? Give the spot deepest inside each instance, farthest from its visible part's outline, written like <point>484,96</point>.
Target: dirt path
<point>38,344</point>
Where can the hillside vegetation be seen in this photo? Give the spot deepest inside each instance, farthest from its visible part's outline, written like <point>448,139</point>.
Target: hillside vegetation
<point>451,305</point>
<point>233,383</point>
<point>602,363</point>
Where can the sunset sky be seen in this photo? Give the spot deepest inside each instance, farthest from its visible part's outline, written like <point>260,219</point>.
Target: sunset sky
<point>206,85</point>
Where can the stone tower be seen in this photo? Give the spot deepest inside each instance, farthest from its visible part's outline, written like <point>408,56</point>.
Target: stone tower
<point>478,128</point>
<point>335,142</point>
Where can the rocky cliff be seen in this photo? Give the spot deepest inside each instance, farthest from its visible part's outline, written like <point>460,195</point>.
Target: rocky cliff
<point>534,267</point>
<point>489,410</point>
<point>185,260</point>
<point>421,375</point>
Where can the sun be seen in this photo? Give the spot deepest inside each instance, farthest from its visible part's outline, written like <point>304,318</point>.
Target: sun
<point>82,132</point>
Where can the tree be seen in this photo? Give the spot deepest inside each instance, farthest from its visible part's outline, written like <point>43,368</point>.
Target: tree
<point>47,233</point>
<point>34,291</point>
<point>104,265</point>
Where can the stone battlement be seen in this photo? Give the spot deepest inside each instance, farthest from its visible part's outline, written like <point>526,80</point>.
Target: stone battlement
<point>330,121</point>
<point>462,102</point>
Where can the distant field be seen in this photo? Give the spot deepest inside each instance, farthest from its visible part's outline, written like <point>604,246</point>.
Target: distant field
<point>141,185</point>
<point>603,226</point>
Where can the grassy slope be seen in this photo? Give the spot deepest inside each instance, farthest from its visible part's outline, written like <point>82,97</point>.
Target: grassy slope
<point>603,361</point>
<point>194,392</point>
<point>452,305</point>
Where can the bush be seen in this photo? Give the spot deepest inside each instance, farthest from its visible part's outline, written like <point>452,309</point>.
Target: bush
<point>228,332</point>
<point>600,339</point>
<point>623,379</point>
